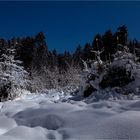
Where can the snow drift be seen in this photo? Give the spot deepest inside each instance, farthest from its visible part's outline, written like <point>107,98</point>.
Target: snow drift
<point>40,118</point>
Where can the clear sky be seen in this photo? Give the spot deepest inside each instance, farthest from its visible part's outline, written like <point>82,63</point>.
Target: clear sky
<point>67,24</point>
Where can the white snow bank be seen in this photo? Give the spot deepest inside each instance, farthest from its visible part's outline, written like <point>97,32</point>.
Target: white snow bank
<point>6,124</point>
<point>38,118</point>
<point>26,133</point>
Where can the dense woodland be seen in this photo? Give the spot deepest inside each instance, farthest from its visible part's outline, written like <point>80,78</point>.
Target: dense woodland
<point>34,53</point>
<point>50,69</point>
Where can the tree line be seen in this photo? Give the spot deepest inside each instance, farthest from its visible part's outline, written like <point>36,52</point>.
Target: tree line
<point>55,70</point>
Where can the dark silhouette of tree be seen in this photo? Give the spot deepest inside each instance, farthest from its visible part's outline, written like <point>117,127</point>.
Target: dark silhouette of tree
<point>122,35</point>
<point>40,40</point>
<point>54,52</point>
<point>87,54</point>
<point>77,56</point>
<point>97,43</point>
<point>62,65</point>
<point>108,46</point>
<point>54,58</point>
<point>42,51</point>
<point>25,51</point>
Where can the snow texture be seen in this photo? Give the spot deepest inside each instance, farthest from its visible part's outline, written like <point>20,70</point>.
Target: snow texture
<point>42,117</point>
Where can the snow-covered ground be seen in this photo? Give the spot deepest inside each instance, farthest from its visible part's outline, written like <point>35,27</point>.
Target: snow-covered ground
<point>42,117</point>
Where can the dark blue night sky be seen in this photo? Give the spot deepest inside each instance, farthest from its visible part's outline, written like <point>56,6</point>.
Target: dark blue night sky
<point>67,24</point>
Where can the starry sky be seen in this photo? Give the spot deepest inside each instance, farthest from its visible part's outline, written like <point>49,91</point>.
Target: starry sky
<point>67,23</point>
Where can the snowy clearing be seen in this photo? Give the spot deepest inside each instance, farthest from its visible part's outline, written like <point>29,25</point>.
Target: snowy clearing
<point>37,117</point>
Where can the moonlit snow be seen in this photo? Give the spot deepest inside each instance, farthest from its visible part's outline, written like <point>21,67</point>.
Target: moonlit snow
<point>42,117</point>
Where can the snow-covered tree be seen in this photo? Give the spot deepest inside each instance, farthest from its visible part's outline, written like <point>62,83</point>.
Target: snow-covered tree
<point>123,70</point>
<point>13,77</point>
<point>92,75</point>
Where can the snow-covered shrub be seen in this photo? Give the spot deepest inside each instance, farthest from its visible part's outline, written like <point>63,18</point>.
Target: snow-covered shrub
<point>51,78</point>
<point>121,71</point>
<point>124,70</point>
<point>13,77</point>
<point>116,77</point>
<point>92,75</point>
<point>46,79</point>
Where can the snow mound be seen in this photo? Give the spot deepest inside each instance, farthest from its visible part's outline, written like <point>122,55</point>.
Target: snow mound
<point>27,133</point>
<point>39,117</point>
<point>6,124</point>
<point>134,106</point>
<point>23,132</point>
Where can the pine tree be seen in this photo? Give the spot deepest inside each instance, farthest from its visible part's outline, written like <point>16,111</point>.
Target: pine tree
<point>97,43</point>
<point>123,35</point>
<point>108,46</point>
<point>42,54</point>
